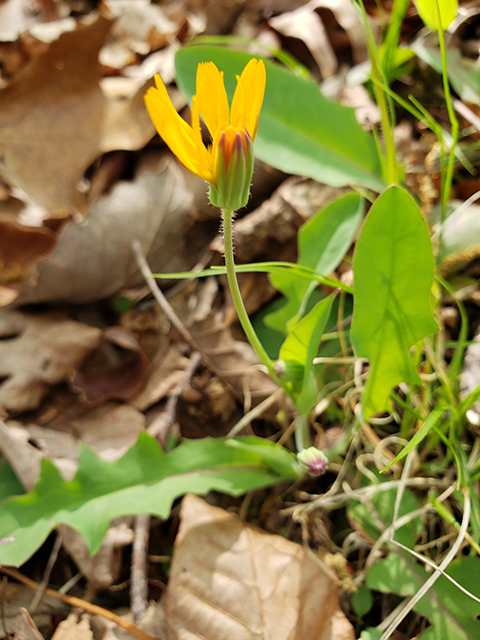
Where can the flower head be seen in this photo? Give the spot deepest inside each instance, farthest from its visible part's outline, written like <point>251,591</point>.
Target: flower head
<point>228,162</point>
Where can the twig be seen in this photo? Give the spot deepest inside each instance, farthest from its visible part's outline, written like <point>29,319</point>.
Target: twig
<point>168,310</point>
<point>254,413</point>
<point>81,604</point>
<point>161,428</point>
<point>139,571</point>
<point>46,575</point>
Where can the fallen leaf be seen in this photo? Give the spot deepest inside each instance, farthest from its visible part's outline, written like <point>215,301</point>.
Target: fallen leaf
<point>20,248</point>
<point>103,568</point>
<point>38,351</point>
<point>236,582</point>
<point>51,118</point>
<point>94,259</point>
<point>73,629</point>
<point>55,120</point>
<point>25,627</point>
<point>116,370</point>
<point>17,596</point>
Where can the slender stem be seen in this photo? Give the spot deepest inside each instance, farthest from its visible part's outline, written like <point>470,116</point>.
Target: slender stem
<point>302,432</point>
<point>252,337</point>
<point>447,181</point>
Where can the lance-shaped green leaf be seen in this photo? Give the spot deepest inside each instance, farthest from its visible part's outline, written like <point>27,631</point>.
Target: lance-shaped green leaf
<point>300,348</point>
<point>300,131</point>
<point>322,244</point>
<point>144,480</point>
<point>430,10</point>
<point>393,271</point>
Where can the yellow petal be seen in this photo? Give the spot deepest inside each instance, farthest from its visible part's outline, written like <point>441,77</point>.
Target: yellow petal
<point>248,98</point>
<point>212,98</point>
<point>183,140</point>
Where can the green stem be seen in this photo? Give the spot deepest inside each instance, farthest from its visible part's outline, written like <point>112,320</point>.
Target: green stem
<point>447,181</point>
<point>302,432</point>
<point>227,217</point>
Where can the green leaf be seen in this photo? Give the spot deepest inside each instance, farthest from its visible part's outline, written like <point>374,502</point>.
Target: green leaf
<point>300,131</point>
<point>145,480</point>
<point>430,422</point>
<point>428,11</point>
<point>452,613</point>
<point>362,601</point>
<point>301,346</point>
<point>322,244</point>
<point>10,485</point>
<point>393,272</point>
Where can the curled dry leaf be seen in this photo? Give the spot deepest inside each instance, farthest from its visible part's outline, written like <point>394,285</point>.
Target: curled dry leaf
<point>25,627</point>
<point>118,369</point>
<point>230,581</point>
<point>94,259</point>
<point>73,629</point>
<point>38,351</point>
<point>20,248</point>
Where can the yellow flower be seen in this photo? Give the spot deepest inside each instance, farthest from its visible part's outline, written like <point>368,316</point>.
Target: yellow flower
<point>232,130</point>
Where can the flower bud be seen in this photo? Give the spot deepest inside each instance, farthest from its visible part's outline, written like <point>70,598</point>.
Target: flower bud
<point>233,169</point>
<point>289,370</point>
<point>314,459</point>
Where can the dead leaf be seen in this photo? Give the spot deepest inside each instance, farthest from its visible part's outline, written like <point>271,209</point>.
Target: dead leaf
<point>25,628</point>
<point>94,259</point>
<point>306,24</point>
<point>55,119</point>
<point>38,351</point>
<point>73,629</point>
<point>103,568</point>
<point>17,596</point>
<point>236,582</point>
<point>20,248</point>
<point>117,370</point>
<point>51,118</point>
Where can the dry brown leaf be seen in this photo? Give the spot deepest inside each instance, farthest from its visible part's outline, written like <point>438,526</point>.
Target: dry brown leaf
<point>38,351</point>
<point>20,248</point>
<point>73,629</point>
<point>25,628</point>
<point>306,24</point>
<point>55,119</point>
<point>94,259</point>
<point>51,119</point>
<point>24,458</point>
<point>230,581</point>
<point>17,596</point>
<point>103,568</point>
<point>117,370</point>
<point>110,430</point>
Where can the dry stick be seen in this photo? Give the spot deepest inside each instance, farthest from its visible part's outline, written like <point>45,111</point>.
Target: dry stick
<point>139,586</point>
<point>163,427</point>
<point>46,575</point>
<point>166,307</point>
<point>81,604</point>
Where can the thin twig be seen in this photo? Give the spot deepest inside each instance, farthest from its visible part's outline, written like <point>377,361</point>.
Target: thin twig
<point>161,428</point>
<point>81,604</point>
<point>254,413</point>
<point>46,574</point>
<point>168,310</point>
<point>139,571</point>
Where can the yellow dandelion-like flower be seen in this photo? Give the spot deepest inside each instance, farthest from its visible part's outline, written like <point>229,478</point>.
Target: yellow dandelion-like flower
<point>227,164</point>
